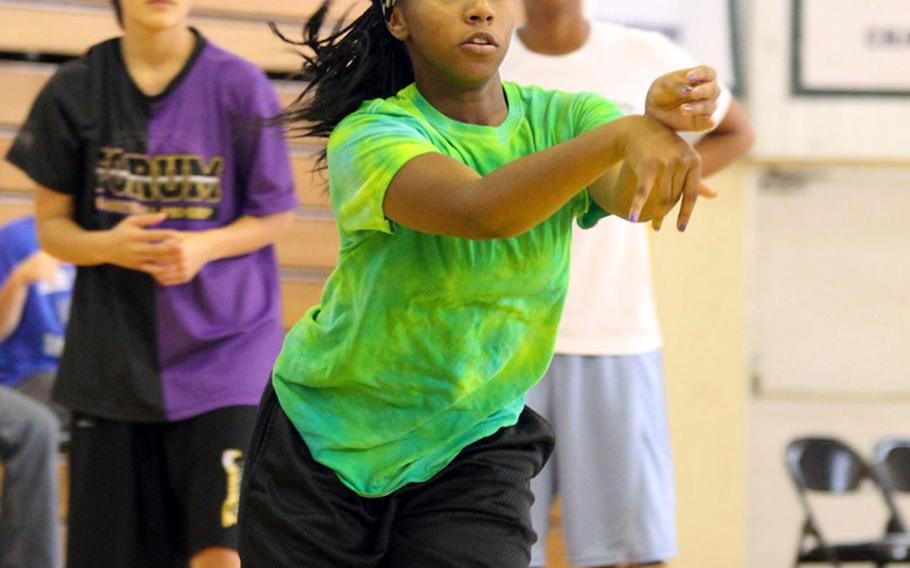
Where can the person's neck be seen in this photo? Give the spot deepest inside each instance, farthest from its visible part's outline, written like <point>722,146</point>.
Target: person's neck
<point>161,53</point>
<point>554,32</point>
<point>485,105</point>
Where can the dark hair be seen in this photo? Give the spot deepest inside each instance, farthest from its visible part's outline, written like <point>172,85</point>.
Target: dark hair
<point>354,63</point>
<point>118,11</point>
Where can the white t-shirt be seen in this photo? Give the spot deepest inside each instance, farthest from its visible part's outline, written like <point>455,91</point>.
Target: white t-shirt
<point>610,306</point>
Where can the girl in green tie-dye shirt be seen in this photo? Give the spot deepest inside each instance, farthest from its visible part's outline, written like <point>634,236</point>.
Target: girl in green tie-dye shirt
<point>394,433</point>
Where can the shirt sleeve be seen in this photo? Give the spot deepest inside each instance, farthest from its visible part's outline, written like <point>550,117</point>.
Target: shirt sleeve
<point>263,163</point>
<point>365,152</point>
<point>590,111</point>
<point>48,147</point>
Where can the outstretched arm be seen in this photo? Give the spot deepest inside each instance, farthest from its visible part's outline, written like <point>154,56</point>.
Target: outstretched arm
<point>730,140</point>
<point>437,194</point>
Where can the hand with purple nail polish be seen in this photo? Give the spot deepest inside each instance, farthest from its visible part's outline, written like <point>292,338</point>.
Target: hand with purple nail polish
<point>658,170</point>
<point>684,100</point>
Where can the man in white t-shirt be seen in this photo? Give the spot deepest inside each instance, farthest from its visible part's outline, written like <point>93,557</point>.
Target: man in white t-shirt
<point>604,391</point>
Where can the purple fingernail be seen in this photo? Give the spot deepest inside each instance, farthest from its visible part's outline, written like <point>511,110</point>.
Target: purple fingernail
<point>682,228</point>
<point>686,90</point>
<point>633,217</point>
<point>692,76</point>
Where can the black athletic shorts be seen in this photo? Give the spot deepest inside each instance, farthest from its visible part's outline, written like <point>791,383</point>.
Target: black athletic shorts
<point>294,512</point>
<point>153,495</point>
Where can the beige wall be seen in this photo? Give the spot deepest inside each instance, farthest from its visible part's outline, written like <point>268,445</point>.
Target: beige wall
<point>830,301</point>
<point>700,289</point>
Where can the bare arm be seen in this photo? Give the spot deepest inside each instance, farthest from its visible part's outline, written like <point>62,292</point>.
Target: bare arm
<point>172,257</point>
<point>246,234</point>
<point>196,249</point>
<point>12,301</point>
<point>130,244</point>
<point>14,291</point>
<point>730,140</point>
<point>520,195</point>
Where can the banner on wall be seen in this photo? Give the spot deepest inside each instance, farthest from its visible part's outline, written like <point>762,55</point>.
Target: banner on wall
<point>851,47</point>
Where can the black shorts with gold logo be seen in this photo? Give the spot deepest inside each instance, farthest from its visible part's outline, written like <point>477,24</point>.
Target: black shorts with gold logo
<point>155,494</point>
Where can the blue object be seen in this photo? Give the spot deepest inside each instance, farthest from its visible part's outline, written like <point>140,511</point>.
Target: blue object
<point>36,344</point>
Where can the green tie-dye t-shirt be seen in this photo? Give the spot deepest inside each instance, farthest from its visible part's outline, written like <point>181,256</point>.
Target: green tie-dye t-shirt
<point>424,344</point>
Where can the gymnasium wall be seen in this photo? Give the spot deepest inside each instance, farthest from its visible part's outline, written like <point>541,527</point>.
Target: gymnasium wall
<point>828,267</point>
<point>700,291</point>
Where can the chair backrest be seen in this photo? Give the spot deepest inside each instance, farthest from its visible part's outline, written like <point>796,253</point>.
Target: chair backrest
<point>892,457</point>
<point>826,465</point>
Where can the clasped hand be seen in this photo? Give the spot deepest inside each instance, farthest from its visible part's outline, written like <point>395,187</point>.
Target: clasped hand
<point>171,257</point>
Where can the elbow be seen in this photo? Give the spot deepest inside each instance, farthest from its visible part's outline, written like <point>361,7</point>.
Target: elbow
<point>742,133</point>
<point>749,140</point>
<point>746,138</point>
<point>55,247</point>
<point>45,242</point>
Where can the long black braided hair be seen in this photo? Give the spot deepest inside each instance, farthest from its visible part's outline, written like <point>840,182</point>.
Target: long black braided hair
<point>354,63</point>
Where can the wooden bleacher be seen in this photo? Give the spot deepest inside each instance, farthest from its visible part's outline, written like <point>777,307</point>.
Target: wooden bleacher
<point>68,27</point>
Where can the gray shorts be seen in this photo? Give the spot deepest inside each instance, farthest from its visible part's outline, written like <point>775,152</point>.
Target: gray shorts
<point>612,464</point>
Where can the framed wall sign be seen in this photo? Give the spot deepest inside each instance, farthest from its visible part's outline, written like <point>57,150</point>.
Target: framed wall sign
<point>850,47</point>
<point>829,80</point>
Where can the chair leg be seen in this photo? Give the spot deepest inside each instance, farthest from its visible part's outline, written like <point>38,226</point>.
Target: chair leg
<point>832,558</point>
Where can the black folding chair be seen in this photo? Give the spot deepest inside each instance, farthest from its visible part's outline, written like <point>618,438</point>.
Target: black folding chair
<point>891,459</point>
<point>827,465</point>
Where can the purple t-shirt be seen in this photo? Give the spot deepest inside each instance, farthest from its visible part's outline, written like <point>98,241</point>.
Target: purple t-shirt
<point>201,152</point>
